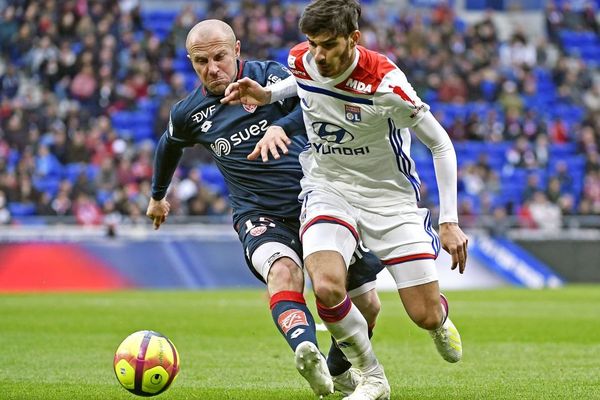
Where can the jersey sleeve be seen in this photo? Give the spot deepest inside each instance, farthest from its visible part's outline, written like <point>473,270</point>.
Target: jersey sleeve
<point>292,123</point>
<point>177,130</point>
<point>168,153</point>
<point>399,100</point>
<point>275,74</point>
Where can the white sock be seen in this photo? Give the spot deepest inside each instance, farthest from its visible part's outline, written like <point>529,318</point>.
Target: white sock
<point>349,328</point>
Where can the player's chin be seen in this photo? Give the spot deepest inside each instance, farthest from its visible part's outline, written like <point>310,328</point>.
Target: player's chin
<point>325,72</point>
<point>218,87</point>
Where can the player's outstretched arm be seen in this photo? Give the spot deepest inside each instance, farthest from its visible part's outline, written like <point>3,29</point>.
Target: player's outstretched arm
<point>452,238</point>
<point>455,242</point>
<point>275,139</point>
<point>246,91</point>
<point>157,211</point>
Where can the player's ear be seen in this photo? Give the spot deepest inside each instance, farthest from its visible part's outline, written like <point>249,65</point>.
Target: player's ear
<point>237,48</point>
<point>354,38</point>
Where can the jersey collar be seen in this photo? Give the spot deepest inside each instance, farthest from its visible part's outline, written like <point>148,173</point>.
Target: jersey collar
<point>312,70</point>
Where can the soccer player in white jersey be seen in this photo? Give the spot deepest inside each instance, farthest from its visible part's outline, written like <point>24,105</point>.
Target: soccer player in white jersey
<point>360,181</point>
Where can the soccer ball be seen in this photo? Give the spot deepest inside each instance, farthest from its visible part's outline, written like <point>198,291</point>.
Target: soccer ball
<point>146,363</point>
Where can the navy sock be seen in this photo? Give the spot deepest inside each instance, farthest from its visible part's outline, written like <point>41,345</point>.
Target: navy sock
<point>293,318</point>
<point>336,360</point>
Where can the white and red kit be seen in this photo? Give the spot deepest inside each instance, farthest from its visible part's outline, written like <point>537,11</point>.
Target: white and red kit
<point>357,167</point>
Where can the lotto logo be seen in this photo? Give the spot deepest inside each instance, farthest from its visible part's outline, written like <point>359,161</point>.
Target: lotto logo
<point>206,126</point>
<point>291,319</point>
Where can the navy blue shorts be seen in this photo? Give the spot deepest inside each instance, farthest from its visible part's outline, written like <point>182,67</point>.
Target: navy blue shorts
<point>258,230</point>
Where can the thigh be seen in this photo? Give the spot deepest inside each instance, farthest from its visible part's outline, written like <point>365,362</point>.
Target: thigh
<point>266,240</point>
<point>327,224</point>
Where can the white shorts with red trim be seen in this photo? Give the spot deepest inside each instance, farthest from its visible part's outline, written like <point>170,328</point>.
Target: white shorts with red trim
<point>399,236</point>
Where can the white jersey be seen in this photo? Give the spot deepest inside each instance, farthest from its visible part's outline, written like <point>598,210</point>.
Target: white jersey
<point>357,126</point>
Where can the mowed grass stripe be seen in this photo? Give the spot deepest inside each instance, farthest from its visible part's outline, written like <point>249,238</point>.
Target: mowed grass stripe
<point>518,344</point>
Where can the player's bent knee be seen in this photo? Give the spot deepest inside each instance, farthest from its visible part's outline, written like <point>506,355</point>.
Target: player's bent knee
<point>329,292</point>
<point>425,318</point>
<point>271,253</point>
<point>285,274</point>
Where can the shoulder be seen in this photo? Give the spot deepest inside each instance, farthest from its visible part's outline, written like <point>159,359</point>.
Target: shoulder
<point>265,72</point>
<point>296,60</point>
<point>369,73</point>
<point>181,113</point>
<point>300,49</point>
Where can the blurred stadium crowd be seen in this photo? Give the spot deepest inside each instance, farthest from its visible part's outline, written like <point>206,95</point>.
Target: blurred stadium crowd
<point>86,87</point>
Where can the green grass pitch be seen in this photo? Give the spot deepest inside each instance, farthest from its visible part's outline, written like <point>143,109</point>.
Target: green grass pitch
<point>518,344</point>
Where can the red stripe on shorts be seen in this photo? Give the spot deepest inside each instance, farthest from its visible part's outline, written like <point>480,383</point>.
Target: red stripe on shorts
<point>412,257</point>
<point>332,220</point>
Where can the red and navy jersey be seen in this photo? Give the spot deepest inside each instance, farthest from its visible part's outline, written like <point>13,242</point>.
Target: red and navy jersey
<point>230,133</point>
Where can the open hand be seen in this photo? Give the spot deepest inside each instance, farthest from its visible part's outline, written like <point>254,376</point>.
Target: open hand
<point>246,91</point>
<point>274,139</point>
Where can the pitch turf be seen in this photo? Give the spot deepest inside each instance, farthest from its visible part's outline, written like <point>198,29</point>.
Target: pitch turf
<point>518,344</point>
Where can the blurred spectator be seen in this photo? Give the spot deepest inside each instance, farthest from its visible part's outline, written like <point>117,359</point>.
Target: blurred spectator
<point>86,210</point>
<point>591,190</point>
<point>500,223</point>
<point>553,192</point>
<point>532,186</point>
<point>521,155</point>
<point>547,216</point>
<point>564,177</point>
<point>9,82</point>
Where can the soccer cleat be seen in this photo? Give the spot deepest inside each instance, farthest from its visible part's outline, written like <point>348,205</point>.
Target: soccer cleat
<point>447,341</point>
<point>373,386</point>
<point>347,381</point>
<point>312,366</point>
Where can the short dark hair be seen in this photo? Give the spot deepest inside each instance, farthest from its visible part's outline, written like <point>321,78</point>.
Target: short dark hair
<point>338,17</point>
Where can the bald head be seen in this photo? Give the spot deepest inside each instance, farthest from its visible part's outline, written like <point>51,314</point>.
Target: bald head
<point>213,50</point>
<point>210,30</point>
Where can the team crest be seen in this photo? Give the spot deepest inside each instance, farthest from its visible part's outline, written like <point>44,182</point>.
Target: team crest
<point>249,107</point>
<point>352,113</point>
<point>258,230</point>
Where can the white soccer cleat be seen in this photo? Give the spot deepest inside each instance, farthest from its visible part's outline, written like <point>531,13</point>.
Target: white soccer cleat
<point>312,366</point>
<point>347,382</point>
<point>373,386</point>
<point>447,341</point>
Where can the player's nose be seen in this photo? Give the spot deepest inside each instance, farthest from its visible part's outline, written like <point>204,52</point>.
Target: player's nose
<point>319,55</point>
<point>213,67</point>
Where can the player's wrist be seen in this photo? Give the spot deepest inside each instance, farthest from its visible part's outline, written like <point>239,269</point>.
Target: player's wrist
<point>268,96</point>
<point>447,224</point>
